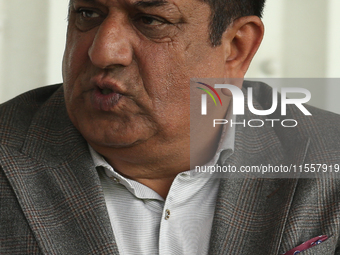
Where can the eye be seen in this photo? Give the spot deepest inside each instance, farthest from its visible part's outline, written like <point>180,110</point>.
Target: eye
<point>153,26</point>
<point>88,18</point>
<point>151,21</point>
<point>88,14</point>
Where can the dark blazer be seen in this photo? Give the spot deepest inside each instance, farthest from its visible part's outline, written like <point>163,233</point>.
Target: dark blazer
<point>51,200</point>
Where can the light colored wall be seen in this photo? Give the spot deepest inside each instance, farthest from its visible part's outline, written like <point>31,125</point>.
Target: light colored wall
<point>2,27</point>
<point>268,61</point>
<point>302,41</point>
<point>305,38</point>
<point>333,55</point>
<point>56,39</point>
<point>23,58</point>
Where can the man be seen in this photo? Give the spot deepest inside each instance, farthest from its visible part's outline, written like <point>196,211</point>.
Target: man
<point>101,164</point>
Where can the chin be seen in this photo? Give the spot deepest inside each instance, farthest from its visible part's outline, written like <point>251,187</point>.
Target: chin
<point>112,144</point>
<point>114,139</point>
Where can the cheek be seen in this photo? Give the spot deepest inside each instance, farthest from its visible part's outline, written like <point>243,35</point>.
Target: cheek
<point>170,72</point>
<point>165,63</point>
<point>166,70</point>
<point>76,55</point>
<point>75,63</point>
<point>167,81</point>
<point>207,61</point>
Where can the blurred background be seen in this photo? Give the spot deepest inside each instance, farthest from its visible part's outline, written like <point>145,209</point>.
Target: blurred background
<point>302,40</point>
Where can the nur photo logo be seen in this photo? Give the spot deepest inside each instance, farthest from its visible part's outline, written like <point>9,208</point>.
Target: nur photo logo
<point>239,103</point>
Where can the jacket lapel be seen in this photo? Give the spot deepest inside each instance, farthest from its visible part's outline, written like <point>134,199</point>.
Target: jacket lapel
<point>57,185</point>
<point>252,217</point>
<point>251,212</point>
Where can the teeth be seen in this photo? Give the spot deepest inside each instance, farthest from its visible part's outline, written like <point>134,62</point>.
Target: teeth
<point>106,91</point>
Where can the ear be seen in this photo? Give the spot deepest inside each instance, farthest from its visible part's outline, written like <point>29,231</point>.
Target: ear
<point>241,40</point>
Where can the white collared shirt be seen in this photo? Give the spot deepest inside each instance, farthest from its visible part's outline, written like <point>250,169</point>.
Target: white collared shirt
<point>144,223</point>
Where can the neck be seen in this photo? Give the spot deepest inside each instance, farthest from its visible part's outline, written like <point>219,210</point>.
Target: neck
<point>154,166</point>
<point>146,161</point>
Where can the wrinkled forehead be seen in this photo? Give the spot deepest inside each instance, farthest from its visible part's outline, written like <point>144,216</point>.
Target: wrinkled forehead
<point>181,6</point>
<point>132,2</point>
<point>185,8</point>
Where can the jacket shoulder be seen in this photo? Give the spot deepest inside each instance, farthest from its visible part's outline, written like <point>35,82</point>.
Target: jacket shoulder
<point>17,114</point>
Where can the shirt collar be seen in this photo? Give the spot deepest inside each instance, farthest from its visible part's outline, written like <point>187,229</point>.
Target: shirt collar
<point>227,140</point>
<point>226,143</point>
<point>136,188</point>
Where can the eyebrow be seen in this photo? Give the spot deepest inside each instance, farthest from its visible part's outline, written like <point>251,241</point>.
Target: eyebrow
<point>150,3</point>
<point>86,1</point>
<point>140,3</point>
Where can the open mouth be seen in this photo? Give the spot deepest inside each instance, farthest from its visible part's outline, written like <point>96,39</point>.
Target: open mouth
<point>106,91</point>
<point>105,99</point>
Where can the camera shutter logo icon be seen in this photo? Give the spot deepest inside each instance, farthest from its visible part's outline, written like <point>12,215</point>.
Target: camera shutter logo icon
<point>204,97</point>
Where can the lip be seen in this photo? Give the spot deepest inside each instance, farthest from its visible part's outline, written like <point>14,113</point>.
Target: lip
<point>105,102</point>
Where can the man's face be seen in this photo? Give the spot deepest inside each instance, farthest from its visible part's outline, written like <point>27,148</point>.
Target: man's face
<point>127,68</point>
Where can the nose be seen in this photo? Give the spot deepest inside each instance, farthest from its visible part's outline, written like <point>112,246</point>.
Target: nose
<point>111,45</point>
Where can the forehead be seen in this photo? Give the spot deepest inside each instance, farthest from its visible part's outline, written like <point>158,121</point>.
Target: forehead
<point>188,9</point>
<point>137,3</point>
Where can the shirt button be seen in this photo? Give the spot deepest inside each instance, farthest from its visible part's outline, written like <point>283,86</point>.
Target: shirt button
<point>115,179</point>
<point>184,174</point>
<point>167,214</point>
